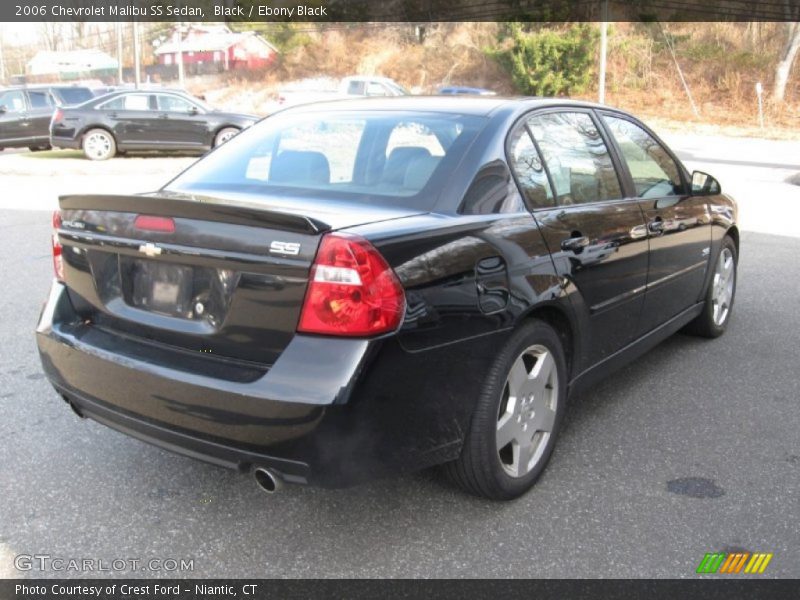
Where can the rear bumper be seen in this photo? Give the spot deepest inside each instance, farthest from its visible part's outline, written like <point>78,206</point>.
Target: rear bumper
<point>65,142</point>
<point>208,451</point>
<point>330,412</point>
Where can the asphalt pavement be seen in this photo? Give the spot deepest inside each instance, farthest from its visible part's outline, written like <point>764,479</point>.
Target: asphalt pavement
<point>692,449</point>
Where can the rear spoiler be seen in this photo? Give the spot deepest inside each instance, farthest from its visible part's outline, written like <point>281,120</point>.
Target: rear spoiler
<point>207,209</point>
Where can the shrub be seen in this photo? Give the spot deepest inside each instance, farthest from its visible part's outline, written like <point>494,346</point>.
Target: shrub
<point>547,62</point>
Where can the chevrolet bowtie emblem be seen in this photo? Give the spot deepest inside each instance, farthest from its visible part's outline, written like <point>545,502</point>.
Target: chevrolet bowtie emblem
<point>149,249</point>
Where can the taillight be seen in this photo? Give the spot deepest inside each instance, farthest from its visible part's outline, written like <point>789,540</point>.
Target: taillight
<point>150,223</point>
<point>58,259</point>
<point>352,291</point>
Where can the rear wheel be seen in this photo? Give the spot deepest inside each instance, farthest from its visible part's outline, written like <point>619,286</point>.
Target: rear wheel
<point>99,144</point>
<point>224,135</point>
<point>517,417</point>
<point>713,321</point>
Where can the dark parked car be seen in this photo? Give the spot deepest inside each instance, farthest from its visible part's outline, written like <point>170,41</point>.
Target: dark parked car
<point>143,120</point>
<point>350,289</point>
<point>25,113</point>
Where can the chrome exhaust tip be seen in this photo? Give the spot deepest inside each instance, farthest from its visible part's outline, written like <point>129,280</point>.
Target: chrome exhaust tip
<point>268,480</point>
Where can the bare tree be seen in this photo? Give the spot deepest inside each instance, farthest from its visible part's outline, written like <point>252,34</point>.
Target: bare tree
<point>788,53</point>
<point>78,34</point>
<point>52,35</point>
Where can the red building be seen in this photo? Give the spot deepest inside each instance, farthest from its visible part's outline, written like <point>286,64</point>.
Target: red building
<point>216,48</point>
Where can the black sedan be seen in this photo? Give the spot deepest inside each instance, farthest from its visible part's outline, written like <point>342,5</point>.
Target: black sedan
<point>143,120</point>
<point>356,288</point>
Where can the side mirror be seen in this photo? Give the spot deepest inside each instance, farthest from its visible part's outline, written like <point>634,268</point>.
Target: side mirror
<point>3,108</point>
<point>704,184</point>
<point>193,111</point>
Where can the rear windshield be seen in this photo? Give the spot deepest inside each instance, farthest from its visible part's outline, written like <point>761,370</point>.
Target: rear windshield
<point>379,157</point>
<point>73,95</point>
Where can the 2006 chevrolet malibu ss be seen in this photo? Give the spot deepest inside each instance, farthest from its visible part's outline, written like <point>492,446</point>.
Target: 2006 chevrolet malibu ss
<point>351,289</point>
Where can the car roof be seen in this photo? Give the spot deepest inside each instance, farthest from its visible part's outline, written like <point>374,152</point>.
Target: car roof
<point>471,105</point>
<point>118,92</point>
<point>63,86</point>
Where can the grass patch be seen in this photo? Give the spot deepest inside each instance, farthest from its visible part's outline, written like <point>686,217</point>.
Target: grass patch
<point>55,154</point>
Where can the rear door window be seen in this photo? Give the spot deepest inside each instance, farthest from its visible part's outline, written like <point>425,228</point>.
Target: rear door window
<point>131,102</point>
<point>40,99</point>
<point>137,102</point>
<point>529,169</point>
<point>115,104</point>
<point>576,156</point>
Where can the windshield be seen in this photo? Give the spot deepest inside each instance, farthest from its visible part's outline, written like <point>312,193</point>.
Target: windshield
<point>380,157</point>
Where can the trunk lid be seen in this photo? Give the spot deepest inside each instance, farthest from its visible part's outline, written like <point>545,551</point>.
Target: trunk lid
<point>227,280</point>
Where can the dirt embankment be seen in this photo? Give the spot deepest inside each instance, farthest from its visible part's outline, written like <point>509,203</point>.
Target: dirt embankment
<point>720,62</point>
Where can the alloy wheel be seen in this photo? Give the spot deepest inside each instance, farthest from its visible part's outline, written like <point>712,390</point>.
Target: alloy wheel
<point>527,411</point>
<point>98,145</point>
<point>722,286</point>
<point>225,136</point>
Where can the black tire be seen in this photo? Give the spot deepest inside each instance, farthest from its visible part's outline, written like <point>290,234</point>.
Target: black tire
<point>224,134</point>
<point>707,323</point>
<point>480,469</point>
<point>105,148</point>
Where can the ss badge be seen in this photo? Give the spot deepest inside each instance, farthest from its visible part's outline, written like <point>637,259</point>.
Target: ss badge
<point>286,248</point>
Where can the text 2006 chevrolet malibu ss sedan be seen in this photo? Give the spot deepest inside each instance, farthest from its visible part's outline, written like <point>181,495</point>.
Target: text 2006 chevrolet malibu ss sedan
<point>350,289</point>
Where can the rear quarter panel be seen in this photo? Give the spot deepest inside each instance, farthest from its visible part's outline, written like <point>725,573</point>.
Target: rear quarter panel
<point>470,275</point>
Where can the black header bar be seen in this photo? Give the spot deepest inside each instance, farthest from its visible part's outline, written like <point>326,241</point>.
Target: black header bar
<point>398,10</point>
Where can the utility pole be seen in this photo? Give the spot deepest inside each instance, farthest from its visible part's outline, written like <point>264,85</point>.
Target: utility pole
<point>2,60</point>
<point>119,53</point>
<point>137,57</point>
<point>601,88</point>
<point>181,82</point>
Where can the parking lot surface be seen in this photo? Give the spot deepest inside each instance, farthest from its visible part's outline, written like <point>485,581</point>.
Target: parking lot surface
<point>692,449</point>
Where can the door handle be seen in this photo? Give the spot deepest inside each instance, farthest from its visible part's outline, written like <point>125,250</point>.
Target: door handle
<point>163,116</point>
<point>575,243</point>
<point>112,115</point>
<point>656,225</point>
